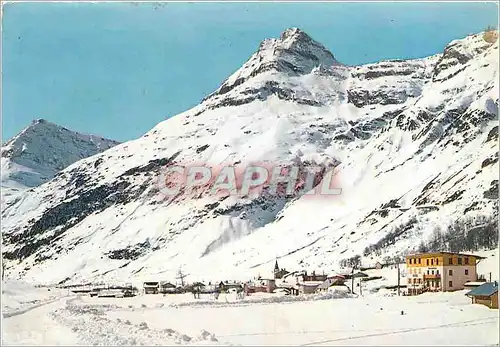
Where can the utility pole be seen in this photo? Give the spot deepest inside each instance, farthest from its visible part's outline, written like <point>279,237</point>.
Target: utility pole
<point>181,276</point>
<point>399,279</point>
<point>352,280</point>
<point>490,277</point>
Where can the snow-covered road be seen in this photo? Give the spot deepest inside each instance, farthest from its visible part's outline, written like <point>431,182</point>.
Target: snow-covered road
<point>35,326</point>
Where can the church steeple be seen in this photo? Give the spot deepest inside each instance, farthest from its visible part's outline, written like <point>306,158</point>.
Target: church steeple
<point>276,267</point>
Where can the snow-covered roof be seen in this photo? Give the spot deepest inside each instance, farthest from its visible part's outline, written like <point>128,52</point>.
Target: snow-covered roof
<point>310,283</point>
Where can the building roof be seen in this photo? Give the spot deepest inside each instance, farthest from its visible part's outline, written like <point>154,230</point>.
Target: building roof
<point>442,253</point>
<point>473,284</point>
<point>311,283</point>
<point>329,282</point>
<point>167,285</point>
<point>487,289</point>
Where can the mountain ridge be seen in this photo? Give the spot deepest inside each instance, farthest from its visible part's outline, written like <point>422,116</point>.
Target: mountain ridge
<point>34,155</point>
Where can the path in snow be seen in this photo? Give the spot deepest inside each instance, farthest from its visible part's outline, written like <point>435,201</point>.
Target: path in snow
<point>35,327</point>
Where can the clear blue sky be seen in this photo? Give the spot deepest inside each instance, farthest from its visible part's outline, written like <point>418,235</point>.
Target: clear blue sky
<point>117,69</point>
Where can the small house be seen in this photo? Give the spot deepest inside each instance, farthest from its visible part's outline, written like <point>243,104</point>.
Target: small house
<point>151,287</point>
<point>486,294</point>
<point>167,288</point>
<point>292,289</point>
<point>330,282</point>
<point>269,284</point>
<point>224,287</point>
<point>309,287</point>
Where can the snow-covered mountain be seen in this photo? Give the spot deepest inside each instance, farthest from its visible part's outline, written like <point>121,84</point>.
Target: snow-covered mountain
<point>414,145</point>
<point>38,152</point>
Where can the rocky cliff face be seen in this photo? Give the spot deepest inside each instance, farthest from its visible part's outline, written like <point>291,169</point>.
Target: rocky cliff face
<point>413,143</point>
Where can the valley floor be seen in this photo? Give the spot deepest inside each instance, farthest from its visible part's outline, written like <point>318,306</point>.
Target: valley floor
<point>62,319</point>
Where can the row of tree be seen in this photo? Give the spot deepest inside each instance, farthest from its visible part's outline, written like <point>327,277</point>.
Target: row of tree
<point>470,234</point>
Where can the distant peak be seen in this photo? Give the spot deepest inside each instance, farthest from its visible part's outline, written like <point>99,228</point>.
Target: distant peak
<point>295,42</point>
<point>42,122</point>
<point>293,53</point>
<point>294,34</point>
<point>42,128</point>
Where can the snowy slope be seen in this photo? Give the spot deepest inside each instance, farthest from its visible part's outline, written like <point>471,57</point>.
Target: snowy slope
<point>414,145</point>
<point>38,152</point>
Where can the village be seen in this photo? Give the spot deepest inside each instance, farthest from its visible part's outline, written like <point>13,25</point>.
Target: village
<point>420,273</point>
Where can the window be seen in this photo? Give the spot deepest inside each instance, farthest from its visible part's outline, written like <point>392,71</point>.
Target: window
<point>466,260</point>
<point>432,261</point>
<point>437,272</point>
<point>466,272</point>
<point>419,260</point>
<point>450,284</point>
<point>450,272</point>
<point>432,272</point>
<point>450,261</point>
<point>427,262</point>
<point>459,261</point>
<point>437,261</point>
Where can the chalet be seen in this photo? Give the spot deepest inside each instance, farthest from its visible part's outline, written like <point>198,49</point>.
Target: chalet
<point>309,287</point>
<point>167,288</point>
<point>151,287</point>
<point>251,288</point>
<point>330,282</point>
<point>226,286</point>
<point>291,288</point>
<point>486,294</point>
<point>440,271</point>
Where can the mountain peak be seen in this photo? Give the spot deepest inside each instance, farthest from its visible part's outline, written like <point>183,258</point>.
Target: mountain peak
<point>294,34</point>
<point>39,121</point>
<point>294,53</point>
<point>43,148</point>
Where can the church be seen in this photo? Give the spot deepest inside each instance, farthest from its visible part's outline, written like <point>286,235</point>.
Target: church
<point>279,273</point>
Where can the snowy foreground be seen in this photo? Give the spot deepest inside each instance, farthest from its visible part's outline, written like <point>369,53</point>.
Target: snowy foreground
<point>58,318</point>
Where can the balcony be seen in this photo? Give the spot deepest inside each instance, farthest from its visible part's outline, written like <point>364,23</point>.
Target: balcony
<point>432,277</point>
